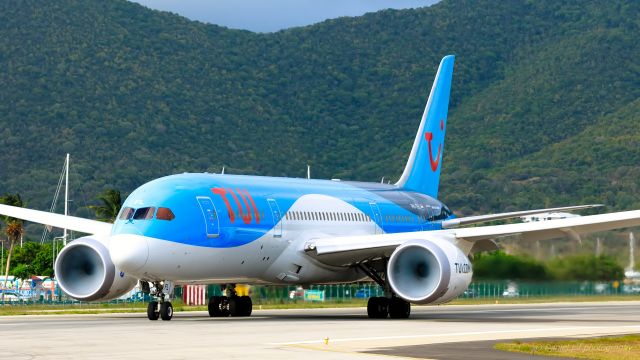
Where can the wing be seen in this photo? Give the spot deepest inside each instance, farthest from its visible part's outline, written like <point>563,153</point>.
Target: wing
<point>453,223</point>
<point>349,250</point>
<point>57,220</point>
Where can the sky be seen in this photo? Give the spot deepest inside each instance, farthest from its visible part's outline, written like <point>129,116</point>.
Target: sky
<point>273,15</point>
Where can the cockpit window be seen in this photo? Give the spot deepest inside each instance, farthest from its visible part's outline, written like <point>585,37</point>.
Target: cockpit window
<point>126,213</point>
<point>165,214</point>
<point>144,213</point>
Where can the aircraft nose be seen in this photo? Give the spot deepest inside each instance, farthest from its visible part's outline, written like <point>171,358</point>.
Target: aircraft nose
<point>129,252</point>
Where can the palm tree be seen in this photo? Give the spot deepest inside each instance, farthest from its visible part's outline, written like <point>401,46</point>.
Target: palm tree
<point>111,204</point>
<point>13,230</point>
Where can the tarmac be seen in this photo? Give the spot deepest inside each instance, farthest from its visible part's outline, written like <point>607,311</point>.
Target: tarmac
<point>432,332</point>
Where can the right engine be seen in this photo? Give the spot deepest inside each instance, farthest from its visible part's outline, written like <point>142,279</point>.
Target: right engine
<point>428,272</point>
<point>85,272</point>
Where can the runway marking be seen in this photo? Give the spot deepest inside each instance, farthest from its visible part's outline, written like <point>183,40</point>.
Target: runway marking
<point>470,333</point>
<point>520,309</point>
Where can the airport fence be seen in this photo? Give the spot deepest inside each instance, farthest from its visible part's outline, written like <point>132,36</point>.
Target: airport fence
<point>477,290</point>
<point>362,291</point>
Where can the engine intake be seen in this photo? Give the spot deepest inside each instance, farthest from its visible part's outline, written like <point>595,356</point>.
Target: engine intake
<point>85,272</point>
<point>428,272</point>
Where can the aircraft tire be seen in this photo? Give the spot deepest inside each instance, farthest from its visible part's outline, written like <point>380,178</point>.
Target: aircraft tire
<point>399,309</point>
<point>378,307</point>
<point>235,306</point>
<point>152,312</point>
<point>214,307</point>
<point>166,311</point>
<point>247,305</point>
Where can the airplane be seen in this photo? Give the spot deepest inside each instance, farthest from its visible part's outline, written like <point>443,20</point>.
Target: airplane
<point>200,228</point>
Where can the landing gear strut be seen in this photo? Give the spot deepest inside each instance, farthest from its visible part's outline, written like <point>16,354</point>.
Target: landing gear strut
<point>390,305</point>
<point>230,305</point>
<point>161,308</point>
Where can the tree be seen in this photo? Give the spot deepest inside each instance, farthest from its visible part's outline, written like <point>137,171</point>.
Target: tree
<point>587,267</point>
<point>498,265</point>
<point>111,204</point>
<point>13,229</point>
<point>32,258</point>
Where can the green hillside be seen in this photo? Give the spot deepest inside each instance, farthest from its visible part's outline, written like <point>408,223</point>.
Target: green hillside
<point>544,101</point>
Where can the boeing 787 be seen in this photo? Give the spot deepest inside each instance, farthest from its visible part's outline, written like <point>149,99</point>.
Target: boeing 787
<point>231,229</point>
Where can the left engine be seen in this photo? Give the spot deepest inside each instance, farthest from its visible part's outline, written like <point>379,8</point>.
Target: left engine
<point>428,272</point>
<point>85,271</point>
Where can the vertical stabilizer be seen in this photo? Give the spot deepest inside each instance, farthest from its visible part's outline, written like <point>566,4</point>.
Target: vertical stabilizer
<point>422,172</point>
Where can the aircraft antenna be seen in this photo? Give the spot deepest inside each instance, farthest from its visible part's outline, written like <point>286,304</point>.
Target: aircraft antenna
<point>308,171</point>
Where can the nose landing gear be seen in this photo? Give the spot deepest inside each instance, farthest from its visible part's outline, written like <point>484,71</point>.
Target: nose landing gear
<point>161,308</point>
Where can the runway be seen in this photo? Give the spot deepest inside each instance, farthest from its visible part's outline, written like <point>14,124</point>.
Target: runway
<point>312,333</point>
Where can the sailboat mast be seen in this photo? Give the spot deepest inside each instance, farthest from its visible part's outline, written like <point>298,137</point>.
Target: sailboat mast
<point>632,246</point>
<point>66,196</point>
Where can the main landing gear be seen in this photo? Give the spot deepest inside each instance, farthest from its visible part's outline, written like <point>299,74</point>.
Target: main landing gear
<point>230,305</point>
<point>161,307</point>
<point>394,307</point>
<point>388,306</point>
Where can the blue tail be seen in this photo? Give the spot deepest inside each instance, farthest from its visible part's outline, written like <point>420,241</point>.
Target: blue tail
<point>422,173</point>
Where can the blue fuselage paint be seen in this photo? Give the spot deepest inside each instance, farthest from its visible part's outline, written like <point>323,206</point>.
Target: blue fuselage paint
<point>252,206</point>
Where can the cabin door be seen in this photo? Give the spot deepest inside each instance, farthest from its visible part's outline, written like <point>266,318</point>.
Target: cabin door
<point>210,214</point>
<point>377,218</point>
<point>277,217</point>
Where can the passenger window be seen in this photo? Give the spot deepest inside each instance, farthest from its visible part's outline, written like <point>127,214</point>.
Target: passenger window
<point>126,213</point>
<point>164,214</point>
<point>144,213</point>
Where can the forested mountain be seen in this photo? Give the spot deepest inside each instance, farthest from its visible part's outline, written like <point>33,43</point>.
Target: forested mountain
<point>545,101</point>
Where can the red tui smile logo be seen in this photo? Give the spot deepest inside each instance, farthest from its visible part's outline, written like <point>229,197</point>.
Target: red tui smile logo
<point>429,136</point>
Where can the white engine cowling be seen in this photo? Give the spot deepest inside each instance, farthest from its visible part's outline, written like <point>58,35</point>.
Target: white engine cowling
<point>428,272</point>
<point>85,272</point>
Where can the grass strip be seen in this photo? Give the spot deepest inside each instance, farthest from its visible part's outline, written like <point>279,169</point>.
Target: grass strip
<point>625,347</point>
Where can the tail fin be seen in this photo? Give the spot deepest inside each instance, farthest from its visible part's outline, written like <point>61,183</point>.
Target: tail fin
<point>422,173</point>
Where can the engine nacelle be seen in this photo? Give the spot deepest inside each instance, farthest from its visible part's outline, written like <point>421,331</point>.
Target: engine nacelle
<point>428,272</point>
<point>85,272</point>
